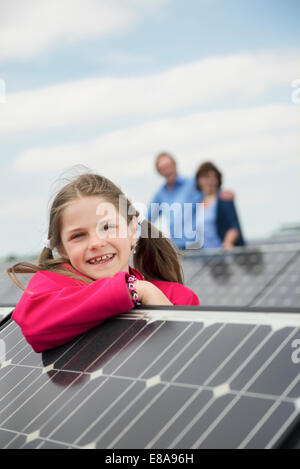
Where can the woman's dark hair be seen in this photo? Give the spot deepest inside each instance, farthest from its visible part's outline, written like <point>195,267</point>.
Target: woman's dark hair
<point>205,168</point>
<point>155,257</point>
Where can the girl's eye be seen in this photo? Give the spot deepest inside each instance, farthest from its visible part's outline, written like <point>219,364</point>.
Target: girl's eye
<point>77,235</point>
<point>107,227</point>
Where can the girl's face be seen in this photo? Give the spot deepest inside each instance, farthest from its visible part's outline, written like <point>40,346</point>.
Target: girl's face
<point>96,238</point>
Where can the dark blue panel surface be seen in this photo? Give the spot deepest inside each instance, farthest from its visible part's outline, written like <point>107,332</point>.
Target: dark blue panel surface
<point>149,382</point>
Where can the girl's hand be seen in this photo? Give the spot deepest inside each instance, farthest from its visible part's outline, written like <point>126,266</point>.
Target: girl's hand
<point>149,294</point>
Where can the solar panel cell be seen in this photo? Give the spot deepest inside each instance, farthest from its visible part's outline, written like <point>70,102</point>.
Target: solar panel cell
<point>154,415</point>
<point>181,421</point>
<point>270,381</point>
<point>105,422</point>
<point>242,414</point>
<point>263,355</point>
<point>239,356</point>
<point>208,358</point>
<point>264,430</point>
<point>189,350</point>
<point>173,350</point>
<point>202,421</point>
<point>151,349</point>
<point>129,416</point>
<point>77,416</point>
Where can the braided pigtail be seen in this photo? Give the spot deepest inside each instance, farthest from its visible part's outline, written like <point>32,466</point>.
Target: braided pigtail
<point>155,255</point>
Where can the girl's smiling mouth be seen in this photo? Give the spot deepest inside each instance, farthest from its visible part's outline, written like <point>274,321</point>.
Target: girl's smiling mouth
<point>104,259</point>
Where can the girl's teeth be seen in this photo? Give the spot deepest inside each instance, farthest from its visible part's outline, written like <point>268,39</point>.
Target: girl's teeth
<point>100,259</point>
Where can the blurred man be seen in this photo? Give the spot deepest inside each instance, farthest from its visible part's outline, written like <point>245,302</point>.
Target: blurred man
<point>169,200</point>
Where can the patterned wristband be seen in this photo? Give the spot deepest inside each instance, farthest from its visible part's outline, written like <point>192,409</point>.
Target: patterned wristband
<point>132,290</point>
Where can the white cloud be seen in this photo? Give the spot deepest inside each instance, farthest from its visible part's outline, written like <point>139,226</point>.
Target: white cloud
<point>123,58</point>
<point>247,139</point>
<point>182,88</point>
<point>25,208</point>
<point>30,27</point>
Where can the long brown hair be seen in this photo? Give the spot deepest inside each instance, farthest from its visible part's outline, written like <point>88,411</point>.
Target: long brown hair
<point>155,256</point>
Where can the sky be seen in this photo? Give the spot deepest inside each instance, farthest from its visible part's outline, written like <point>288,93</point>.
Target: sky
<point>108,84</point>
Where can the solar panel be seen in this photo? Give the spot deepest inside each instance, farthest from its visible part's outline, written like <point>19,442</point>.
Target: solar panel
<point>261,276</point>
<point>192,265</point>
<point>285,289</point>
<point>155,378</point>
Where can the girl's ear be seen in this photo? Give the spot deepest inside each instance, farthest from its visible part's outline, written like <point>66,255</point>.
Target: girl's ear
<point>62,252</point>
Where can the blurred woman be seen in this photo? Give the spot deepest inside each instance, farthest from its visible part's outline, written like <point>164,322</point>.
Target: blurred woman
<point>221,225</point>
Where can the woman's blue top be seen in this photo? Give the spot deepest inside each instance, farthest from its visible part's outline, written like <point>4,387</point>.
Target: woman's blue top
<point>211,237</point>
<point>218,219</point>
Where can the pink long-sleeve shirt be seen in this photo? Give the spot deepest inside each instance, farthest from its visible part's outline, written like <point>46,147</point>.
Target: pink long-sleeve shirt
<point>55,308</point>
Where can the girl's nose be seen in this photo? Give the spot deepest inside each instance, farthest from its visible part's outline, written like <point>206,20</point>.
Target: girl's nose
<point>96,241</point>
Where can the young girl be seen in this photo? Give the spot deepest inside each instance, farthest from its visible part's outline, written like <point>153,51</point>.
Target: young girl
<point>94,233</point>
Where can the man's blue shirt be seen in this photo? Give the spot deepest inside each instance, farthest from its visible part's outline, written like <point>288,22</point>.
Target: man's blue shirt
<point>183,192</point>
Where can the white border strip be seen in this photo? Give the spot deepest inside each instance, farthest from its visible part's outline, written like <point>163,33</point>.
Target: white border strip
<point>4,312</point>
<point>275,320</point>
